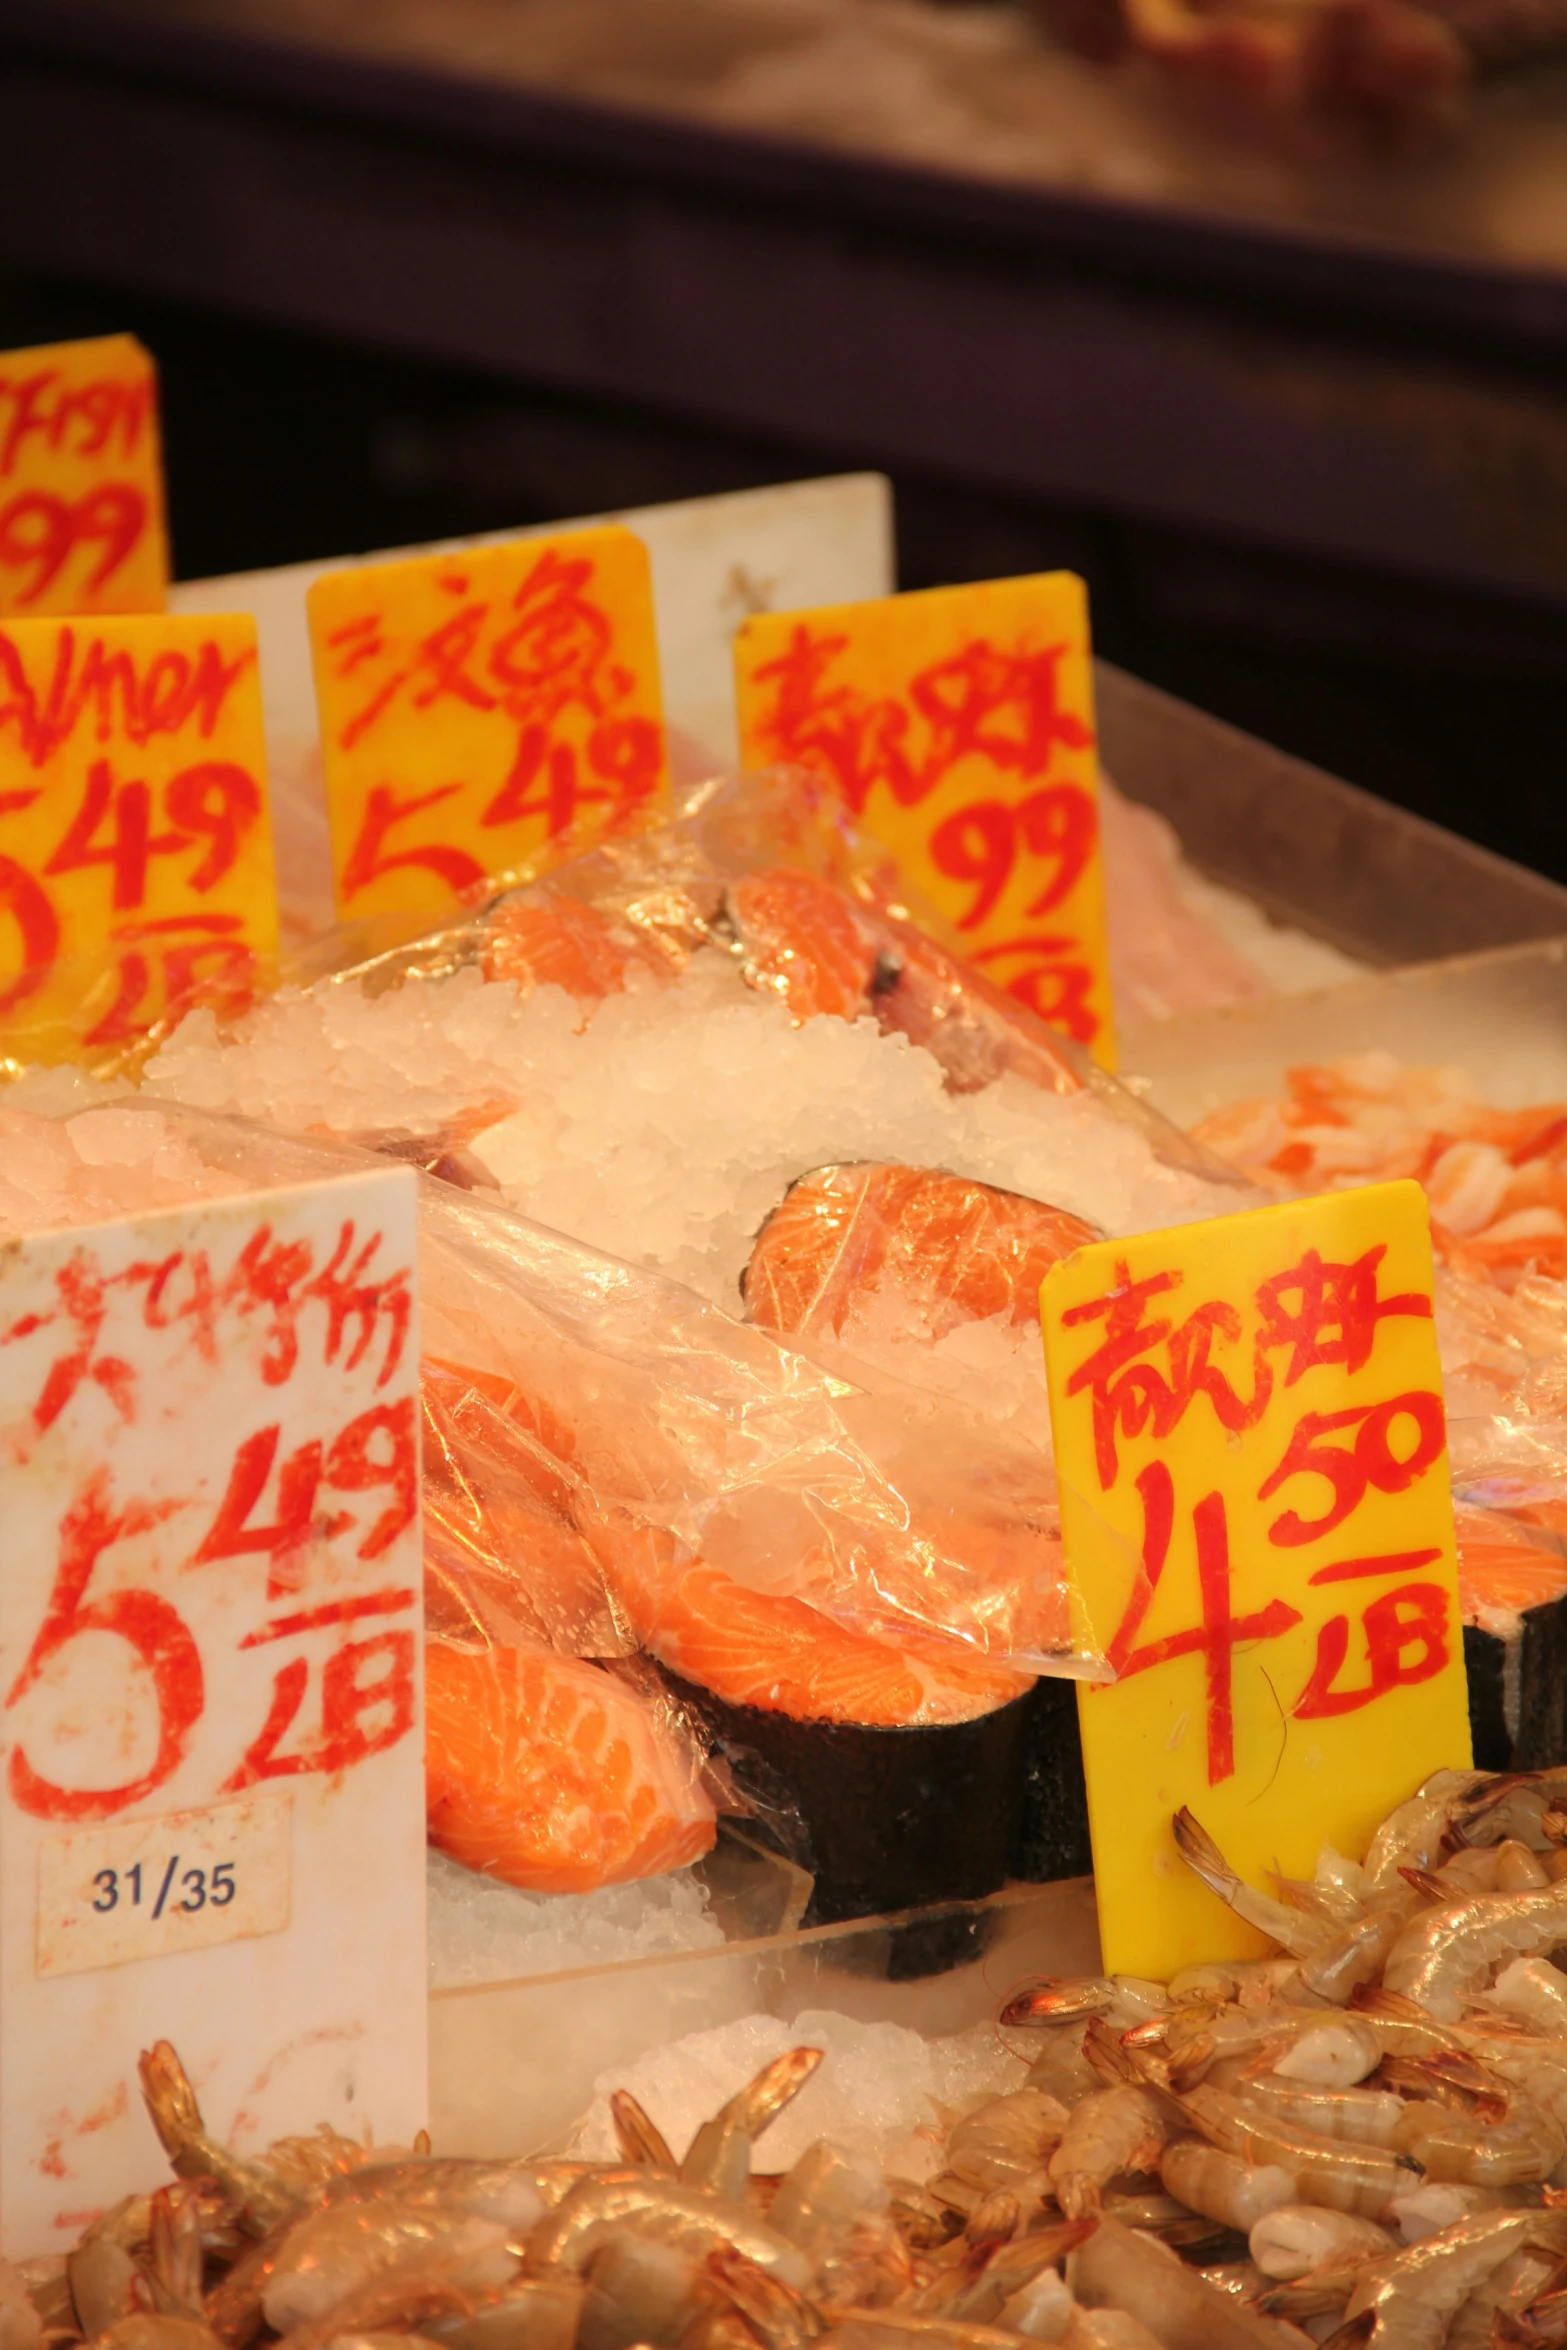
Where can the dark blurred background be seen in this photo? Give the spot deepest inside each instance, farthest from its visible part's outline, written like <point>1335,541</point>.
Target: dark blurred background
<point>282,445</point>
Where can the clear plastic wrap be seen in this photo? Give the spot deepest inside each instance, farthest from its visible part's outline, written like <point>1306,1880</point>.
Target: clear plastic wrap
<point>619,1476</point>
<point>766,872</point>
<point>950,1251</point>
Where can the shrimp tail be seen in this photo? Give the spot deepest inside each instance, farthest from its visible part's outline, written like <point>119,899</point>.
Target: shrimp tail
<point>638,2136</point>
<point>170,2099</point>
<point>1200,1853</point>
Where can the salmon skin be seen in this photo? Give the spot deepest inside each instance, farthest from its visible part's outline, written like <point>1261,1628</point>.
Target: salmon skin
<point>551,1773</point>
<point>1512,1588</point>
<point>885,1817</point>
<point>952,1250</point>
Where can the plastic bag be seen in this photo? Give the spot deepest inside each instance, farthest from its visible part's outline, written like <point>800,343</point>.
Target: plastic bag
<point>616,1472</point>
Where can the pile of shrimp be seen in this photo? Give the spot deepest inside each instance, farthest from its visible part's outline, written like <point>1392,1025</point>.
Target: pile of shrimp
<point>1496,1179</point>
<point>1362,2139</point>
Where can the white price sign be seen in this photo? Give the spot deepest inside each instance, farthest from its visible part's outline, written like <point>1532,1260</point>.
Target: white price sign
<point>211,1752</point>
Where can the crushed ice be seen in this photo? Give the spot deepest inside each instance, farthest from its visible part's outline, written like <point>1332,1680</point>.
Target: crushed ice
<point>882,2090</point>
<point>482,1931</point>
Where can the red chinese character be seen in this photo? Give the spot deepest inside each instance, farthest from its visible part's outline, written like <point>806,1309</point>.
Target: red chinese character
<point>1215,1638</point>
<point>1336,1319</point>
<point>981,702</point>
<point>1130,1394</point>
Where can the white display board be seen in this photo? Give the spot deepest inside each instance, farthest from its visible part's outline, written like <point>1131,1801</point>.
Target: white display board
<point>715,561</point>
<point>211,1675</point>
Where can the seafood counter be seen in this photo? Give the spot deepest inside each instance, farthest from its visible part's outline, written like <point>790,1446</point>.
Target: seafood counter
<point>1355,2136</point>
<point>740,1504</point>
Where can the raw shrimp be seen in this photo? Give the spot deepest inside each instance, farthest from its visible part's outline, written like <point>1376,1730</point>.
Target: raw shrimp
<point>1007,2139</point>
<point>902,2329</point>
<point>827,2190</point>
<point>535,2313</point>
<point>512,2193</point>
<point>1108,2131</point>
<point>1445,1955</point>
<point>1416,2295</point>
<point>1356,1952</point>
<point>1429,2208</point>
<point>103,2280</point>
<point>1361,2117</point>
<point>978,2296</point>
<point>781,2318</point>
<point>1360,2179</point>
<point>175,2257</point>
<point>1120,2269</point>
<point>638,2136</point>
<point>610,2203</point>
<point>1411,1835</point>
<point>1292,1929</point>
<point>1295,2238</point>
<point>1535,1990</point>
<point>334,2253</point>
<point>143,2329</point>
<point>1122,2000</point>
<point>1221,2186</point>
<point>641,2290</point>
<point>260,2197</point>
<point>1526,1810</point>
<point>1524,2146</point>
<point>1504,2294</point>
<point>719,2156</point>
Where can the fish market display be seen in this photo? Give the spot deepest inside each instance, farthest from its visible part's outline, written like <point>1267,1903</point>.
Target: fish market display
<point>646,1050</point>
<point>650,1527</point>
<point>1356,2135</point>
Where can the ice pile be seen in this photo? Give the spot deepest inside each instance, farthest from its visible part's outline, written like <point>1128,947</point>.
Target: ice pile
<point>482,1931</point>
<point>664,1124</point>
<point>106,1162</point>
<point>884,2091</point>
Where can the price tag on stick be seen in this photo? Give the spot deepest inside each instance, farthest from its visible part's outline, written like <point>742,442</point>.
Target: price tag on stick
<point>1252,1452</point>
<point>81,480</point>
<point>135,842</point>
<point>477,706</point>
<point>212,1803</point>
<point>958,725</point>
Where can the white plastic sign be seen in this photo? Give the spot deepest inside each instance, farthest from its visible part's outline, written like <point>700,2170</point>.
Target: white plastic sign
<point>211,1751</point>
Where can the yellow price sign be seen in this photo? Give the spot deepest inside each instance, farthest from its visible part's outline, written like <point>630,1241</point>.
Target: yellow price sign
<point>82,524</point>
<point>135,841</point>
<point>958,726</point>
<point>1252,1452</point>
<point>476,707</point>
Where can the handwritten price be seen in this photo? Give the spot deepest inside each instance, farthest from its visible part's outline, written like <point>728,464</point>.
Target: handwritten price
<point>40,532</point>
<point>111,857</point>
<point>1322,1314</point>
<point>537,658</point>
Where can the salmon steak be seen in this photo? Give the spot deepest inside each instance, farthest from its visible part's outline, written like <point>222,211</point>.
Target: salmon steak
<point>952,1250</point>
<point>551,1773</point>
